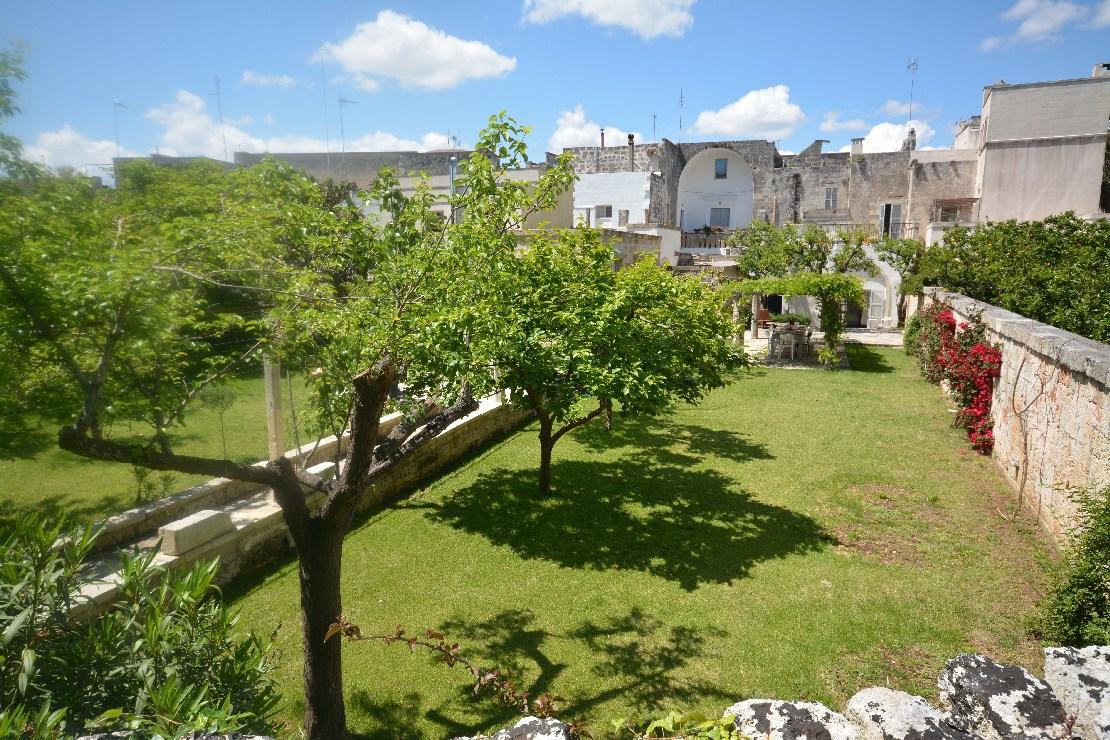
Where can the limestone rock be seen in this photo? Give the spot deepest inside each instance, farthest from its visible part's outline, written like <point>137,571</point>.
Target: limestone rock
<point>1080,678</point>
<point>530,728</point>
<point>886,714</point>
<point>999,702</point>
<point>770,719</point>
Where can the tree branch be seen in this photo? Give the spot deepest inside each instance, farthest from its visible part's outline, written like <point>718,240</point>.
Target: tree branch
<point>465,405</point>
<point>72,439</point>
<point>603,406</point>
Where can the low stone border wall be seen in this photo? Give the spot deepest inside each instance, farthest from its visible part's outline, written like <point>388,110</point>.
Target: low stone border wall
<point>1050,409</point>
<point>258,533</point>
<point>979,699</point>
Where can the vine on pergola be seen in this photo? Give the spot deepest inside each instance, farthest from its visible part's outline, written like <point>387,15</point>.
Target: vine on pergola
<point>831,290</point>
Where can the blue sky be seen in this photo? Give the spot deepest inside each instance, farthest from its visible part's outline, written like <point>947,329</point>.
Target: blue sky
<point>789,71</point>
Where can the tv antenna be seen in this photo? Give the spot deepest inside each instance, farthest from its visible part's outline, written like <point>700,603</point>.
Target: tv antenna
<point>681,103</point>
<point>116,105</point>
<point>342,135</point>
<point>653,127</point>
<point>911,66</point>
<point>220,113</point>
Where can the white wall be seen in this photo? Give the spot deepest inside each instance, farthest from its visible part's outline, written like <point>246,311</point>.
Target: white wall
<point>629,191</point>
<point>699,190</point>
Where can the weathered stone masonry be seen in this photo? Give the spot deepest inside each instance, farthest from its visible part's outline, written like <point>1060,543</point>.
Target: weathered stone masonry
<point>1050,410</point>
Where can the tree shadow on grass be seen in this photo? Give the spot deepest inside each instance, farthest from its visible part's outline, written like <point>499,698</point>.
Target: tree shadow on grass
<point>394,719</point>
<point>651,511</point>
<point>661,440</point>
<point>637,657</point>
<point>864,359</point>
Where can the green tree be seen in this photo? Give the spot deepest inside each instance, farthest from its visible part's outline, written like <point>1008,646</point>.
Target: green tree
<point>763,249</point>
<point>12,164</point>
<point>575,339</point>
<point>113,293</point>
<point>850,254</point>
<point>1052,270</point>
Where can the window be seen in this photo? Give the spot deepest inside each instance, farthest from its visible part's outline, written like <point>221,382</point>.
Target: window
<point>603,211</point>
<point>890,220</point>
<point>719,217</point>
<point>720,169</point>
<point>830,199</point>
<point>949,214</point>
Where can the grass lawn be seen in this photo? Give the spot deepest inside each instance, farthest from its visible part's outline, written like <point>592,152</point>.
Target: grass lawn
<point>800,534</point>
<point>52,480</point>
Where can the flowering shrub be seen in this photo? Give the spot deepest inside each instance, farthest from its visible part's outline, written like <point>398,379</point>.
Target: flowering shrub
<point>969,364</point>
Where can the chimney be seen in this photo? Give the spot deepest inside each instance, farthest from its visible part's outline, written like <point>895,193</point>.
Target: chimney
<point>1101,69</point>
<point>602,138</point>
<point>631,153</point>
<point>857,146</point>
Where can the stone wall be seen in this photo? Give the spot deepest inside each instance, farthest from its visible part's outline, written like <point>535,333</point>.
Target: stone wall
<point>1051,410</point>
<point>979,700</point>
<point>245,528</point>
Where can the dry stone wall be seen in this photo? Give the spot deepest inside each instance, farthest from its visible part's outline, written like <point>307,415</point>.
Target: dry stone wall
<point>979,700</point>
<point>1050,410</point>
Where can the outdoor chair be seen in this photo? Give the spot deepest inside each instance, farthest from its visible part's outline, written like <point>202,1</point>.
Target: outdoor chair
<point>787,341</point>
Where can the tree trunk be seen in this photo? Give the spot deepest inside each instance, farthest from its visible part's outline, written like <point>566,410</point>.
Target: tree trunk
<point>546,445</point>
<point>320,566</point>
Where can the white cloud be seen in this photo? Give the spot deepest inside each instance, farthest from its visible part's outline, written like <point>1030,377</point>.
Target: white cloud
<point>645,18</point>
<point>68,148</point>
<point>265,80</point>
<point>1102,15</point>
<point>574,129</point>
<point>396,47</point>
<point>888,137</point>
<point>895,108</point>
<point>832,123</point>
<point>1039,20</point>
<point>766,113</point>
<point>188,129</point>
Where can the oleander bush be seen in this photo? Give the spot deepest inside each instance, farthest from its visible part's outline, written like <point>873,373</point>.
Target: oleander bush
<point>163,660</point>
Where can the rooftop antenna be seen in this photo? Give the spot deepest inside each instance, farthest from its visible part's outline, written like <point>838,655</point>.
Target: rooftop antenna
<point>912,67</point>
<point>653,127</point>
<point>116,105</point>
<point>220,113</point>
<point>342,135</point>
<point>681,103</point>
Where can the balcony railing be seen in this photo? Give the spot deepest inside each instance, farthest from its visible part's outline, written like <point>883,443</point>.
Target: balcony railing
<point>698,240</point>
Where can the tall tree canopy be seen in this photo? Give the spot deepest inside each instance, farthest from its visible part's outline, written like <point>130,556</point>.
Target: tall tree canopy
<point>126,299</point>
<point>575,337</point>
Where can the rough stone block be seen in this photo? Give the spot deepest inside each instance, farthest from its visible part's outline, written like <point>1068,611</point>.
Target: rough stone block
<point>787,720</point>
<point>886,714</point>
<point>1080,678</point>
<point>999,702</point>
<point>194,530</point>
<point>529,728</point>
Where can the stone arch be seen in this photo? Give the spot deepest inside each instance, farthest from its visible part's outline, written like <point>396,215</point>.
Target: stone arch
<point>699,190</point>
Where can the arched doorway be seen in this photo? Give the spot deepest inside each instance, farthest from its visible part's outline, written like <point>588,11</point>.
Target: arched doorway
<point>716,188</point>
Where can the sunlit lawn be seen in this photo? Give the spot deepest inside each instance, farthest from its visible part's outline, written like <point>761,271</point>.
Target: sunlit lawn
<point>800,534</point>
<point>45,478</point>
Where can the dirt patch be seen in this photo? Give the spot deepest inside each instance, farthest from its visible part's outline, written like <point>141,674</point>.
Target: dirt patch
<point>885,546</point>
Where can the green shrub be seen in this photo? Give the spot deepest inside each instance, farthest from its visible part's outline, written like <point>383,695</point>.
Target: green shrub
<point>164,659</point>
<point>910,335</point>
<point>797,318</point>
<point>1077,611</point>
<point>1052,271</point>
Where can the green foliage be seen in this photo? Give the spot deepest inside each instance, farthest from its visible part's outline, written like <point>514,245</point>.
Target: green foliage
<point>785,318</point>
<point>12,164</point>
<point>764,249</point>
<point>1077,611</point>
<point>911,335</point>
<point>682,726</point>
<point>1052,271</point>
<point>831,291</point>
<point>906,256</point>
<point>164,659</point>
<point>571,328</point>
<point>850,255</point>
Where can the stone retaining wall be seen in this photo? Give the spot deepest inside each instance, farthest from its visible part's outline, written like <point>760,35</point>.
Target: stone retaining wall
<point>1050,410</point>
